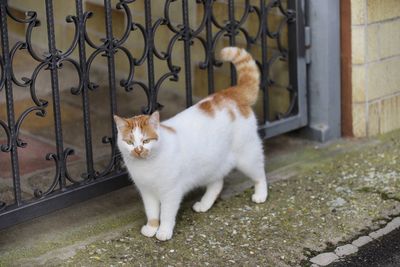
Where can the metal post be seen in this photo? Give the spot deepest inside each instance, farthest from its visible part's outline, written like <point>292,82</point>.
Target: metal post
<point>10,103</point>
<point>187,42</point>
<point>85,96</point>
<point>324,70</point>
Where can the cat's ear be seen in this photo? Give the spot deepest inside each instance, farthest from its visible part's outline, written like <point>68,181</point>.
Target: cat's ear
<point>120,122</point>
<point>154,119</point>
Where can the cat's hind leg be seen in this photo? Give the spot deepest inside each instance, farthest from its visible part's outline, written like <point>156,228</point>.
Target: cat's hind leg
<point>209,197</point>
<point>250,161</point>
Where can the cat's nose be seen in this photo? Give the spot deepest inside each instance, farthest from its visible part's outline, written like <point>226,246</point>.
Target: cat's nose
<point>138,150</point>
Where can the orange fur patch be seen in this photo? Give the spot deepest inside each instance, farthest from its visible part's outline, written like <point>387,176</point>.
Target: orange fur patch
<point>142,122</point>
<point>243,95</point>
<point>244,60</point>
<point>153,222</point>
<point>238,97</point>
<point>230,95</point>
<point>207,107</point>
<point>170,129</point>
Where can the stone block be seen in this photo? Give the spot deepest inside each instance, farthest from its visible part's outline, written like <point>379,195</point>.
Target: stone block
<point>389,38</point>
<point>324,259</point>
<point>358,82</point>
<point>346,250</point>
<point>379,10</point>
<point>395,223</point>
<point>358,12</point>
<point>390,110</point>
<point>383,78</point>
<point>379,233</point>
<point>358,44</point>
<point>359,119</point>
<point>361,241</point>
<point>373,42</point>
<point>374,118</point>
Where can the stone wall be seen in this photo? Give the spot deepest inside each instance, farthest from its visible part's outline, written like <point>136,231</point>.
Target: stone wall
<point>375,66</point>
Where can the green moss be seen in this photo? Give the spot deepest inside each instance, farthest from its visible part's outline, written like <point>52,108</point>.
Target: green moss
<point>338,193</point>
<point>68,239</point>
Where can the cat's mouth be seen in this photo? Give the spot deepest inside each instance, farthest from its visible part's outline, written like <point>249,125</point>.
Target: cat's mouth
<point>140,154</point>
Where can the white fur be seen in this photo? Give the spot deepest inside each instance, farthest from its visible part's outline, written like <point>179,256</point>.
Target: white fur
<point>201,152</point>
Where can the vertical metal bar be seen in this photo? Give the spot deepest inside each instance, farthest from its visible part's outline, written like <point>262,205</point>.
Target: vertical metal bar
<point>293,47</point>
<point>186,40</point>
<point>10,102</point>
<point>111,70</point>
<point>301,68</point>
<point>150,56</point>
<point>232,39</point>
<point>210,68</point>
<point>85,96</point>
<point>264,61</point>
<point>53,58</point>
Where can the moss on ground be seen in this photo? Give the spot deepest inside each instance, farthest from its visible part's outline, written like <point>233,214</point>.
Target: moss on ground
<point>331,202</point>
<point>24,254</point>
<point>334,197</point>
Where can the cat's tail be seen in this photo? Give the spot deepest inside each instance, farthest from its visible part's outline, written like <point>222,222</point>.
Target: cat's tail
<point>248,73</point>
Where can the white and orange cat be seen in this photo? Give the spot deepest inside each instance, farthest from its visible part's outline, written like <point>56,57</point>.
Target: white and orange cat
<point>195,148</point>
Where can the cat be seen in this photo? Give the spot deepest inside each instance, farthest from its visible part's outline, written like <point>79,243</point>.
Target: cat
<point>195,148</point>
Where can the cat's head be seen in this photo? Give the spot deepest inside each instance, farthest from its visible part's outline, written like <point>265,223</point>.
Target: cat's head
<point>139,135</point>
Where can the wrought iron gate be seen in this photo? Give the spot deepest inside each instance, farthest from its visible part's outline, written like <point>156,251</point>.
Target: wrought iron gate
<point>210,33</point>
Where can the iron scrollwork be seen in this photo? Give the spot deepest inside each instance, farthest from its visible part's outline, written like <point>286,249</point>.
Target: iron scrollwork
<point>209,33</point>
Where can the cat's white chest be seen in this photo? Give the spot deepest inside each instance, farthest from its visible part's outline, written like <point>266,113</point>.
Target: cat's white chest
<point>152,175</point>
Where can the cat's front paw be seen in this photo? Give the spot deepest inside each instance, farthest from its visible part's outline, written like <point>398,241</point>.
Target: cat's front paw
<point>259,198</point>
<point>148,231</point>
<point>164,234</point>
<point>200,207</point>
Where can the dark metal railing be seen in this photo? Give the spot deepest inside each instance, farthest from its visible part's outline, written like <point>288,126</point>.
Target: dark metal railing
<point>65,189</point>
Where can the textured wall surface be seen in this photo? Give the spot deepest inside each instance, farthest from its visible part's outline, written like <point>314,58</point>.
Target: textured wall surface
<point>376,65</point>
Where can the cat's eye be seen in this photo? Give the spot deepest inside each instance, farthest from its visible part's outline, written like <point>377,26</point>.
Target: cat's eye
<point>129,142</point>
<point>146,141</point>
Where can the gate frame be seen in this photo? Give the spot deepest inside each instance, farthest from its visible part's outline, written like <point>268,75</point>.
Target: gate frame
<point>324,79</point>
<point>297,74</point>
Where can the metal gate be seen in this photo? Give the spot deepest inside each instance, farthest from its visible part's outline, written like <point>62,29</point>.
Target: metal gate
<point>65,188</point>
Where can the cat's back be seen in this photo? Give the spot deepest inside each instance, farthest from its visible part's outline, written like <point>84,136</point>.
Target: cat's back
<point>218,126</point>
<point>193,119</point>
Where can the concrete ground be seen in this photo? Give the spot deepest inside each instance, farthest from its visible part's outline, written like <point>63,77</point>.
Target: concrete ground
<point>321,196</point>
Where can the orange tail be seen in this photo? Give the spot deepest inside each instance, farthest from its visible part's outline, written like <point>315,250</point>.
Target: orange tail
<point>248,73</point>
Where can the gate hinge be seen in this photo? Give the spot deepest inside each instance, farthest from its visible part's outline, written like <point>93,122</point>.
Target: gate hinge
<point>307,43</point>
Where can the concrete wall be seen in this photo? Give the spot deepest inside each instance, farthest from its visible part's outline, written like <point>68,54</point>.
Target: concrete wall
<point>375,66</point>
